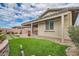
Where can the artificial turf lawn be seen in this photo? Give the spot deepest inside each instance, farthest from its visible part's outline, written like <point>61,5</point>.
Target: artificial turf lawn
<point>38,47</point>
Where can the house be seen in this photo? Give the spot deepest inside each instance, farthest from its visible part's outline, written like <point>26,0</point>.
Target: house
<point>13,30</point>
<point>16,30</point>
<point>19,30</point>
<point>54,23</point>
<point>3,30</point>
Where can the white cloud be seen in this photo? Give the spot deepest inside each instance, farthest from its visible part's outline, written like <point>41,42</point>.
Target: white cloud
<point>28,10</point>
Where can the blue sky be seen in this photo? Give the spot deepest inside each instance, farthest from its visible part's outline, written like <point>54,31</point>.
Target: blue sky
<point>14,14</point>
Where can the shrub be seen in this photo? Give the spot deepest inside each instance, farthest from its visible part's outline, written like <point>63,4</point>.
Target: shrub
<point>2,37</point>
<point>74,34</point>
<point>12,32</point>
<point>16,32</point>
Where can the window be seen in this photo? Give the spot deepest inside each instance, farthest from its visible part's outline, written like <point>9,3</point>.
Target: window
<point>49,25</point>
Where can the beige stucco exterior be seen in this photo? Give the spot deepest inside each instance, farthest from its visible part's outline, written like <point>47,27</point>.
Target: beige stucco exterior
<point>63,19</point>
<point>57,27</point>
<point>61,25</point>
<point>49,13</point>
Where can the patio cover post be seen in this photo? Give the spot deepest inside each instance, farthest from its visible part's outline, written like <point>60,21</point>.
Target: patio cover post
<point>31,28</point>
<point>62,28</point>
<point>21,29</point>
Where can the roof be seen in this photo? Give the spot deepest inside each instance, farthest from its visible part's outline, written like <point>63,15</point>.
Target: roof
<point>59,10</point>
<point>26,23</point>
<point>16,27</point>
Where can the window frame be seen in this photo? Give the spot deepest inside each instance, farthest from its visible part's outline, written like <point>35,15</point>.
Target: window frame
<point>49,26</point>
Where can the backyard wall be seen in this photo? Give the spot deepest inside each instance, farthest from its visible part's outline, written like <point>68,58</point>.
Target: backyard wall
<point>4,48</point>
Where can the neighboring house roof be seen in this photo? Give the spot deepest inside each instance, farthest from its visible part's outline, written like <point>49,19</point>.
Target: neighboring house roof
<point>16,27</point>
<point>20,27</point>
<point>74,10</point>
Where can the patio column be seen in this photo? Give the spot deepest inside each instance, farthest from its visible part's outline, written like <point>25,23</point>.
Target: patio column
<point>62,28</point>
<point>21,29</point>
<point>31,28</point>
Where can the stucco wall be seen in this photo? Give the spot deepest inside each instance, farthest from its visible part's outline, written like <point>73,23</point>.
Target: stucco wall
<point>67,24</point>
<point>54,33</point>
<point>49,13</point>
<point>57,27</point>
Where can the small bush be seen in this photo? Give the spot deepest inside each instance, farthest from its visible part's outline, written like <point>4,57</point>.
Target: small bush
<point>2,37</point>
<point>74,34</point>
<point>16,32</point>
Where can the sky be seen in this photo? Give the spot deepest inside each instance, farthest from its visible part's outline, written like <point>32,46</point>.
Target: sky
<point>14,14</point>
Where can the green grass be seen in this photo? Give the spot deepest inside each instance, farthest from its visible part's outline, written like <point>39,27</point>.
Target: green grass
<point>38,47</point>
